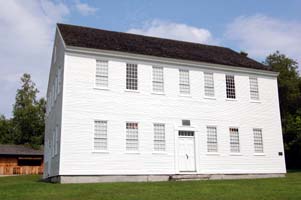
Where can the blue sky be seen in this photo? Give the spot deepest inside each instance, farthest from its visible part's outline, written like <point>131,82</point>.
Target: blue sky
<point>258,27</point>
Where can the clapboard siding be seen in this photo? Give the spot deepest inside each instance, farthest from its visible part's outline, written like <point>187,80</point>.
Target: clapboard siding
<point>83,103</point>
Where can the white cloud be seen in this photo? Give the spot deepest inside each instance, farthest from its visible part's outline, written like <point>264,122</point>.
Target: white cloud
<point>26,39</point>
<point>84,9</point>
<point>260,36</point>
<point>171,30</point>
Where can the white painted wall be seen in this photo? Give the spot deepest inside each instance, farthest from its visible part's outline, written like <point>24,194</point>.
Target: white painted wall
<point>54,111</point>
<point>83,103</point>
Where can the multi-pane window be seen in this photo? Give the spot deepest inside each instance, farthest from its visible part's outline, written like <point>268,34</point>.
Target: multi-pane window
<point>59,80</point>
<point>211,139</point>
<point>102,75</point>
<point>100,135</point>
<point>230,87</point>
<point>234,140</point>
<point>132,136</point>
<point>254,94</point>
<point>184,81</point>
<point>158,79</point>
<point>186,133</point>
<point>131,77</point>
<point>53,143</point>
<point>258,143</point>
<point>209,84</point>
<point>56,139</point>
<point>159,137</point>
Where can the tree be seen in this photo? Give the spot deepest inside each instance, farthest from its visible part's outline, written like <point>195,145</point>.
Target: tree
<point>6,131</point>
<point>28,114</point>
<point>289,86</point>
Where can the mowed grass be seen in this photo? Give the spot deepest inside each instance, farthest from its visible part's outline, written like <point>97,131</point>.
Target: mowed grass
<point>31,188</point>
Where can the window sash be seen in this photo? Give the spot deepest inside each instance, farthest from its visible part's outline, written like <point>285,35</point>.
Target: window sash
<point>258,141</point>
<point>100,135</point>
<point>102,74</point>
<point>209,84</point>
<point>131,76</point>
<point>254,93</point>
<point>211,139</point>
<point>158,79</point>
<point>159,137</point>
<point>132,140</point>
<point>234,140</point>
<point>230,87</point>
<point>184,81</point>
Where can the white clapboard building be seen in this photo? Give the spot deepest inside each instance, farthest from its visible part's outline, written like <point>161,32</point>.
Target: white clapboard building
<point>125,107</point>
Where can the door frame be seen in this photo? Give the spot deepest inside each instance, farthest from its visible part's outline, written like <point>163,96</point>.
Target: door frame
<point>185,128</point>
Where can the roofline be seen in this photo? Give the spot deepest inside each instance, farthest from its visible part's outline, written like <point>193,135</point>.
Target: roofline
<point>206,65</point>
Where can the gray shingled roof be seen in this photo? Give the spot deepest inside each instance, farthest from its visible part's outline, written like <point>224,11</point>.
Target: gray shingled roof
<point>11,149</point>
<point>85,37</point>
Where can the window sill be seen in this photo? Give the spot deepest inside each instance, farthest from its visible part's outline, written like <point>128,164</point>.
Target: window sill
<point>101,88</point>
<point>185,95</point>
<point>213,154</point>
<point>132,152</point>
<point>159,152</point>
<point>235,154</point>
<point>210,98</point>
<point>259,154</point>
<point>158,93</point>
<point>133,91</point>
<point>100,151</point>
<point>229,99</point>
<point>255,101</point>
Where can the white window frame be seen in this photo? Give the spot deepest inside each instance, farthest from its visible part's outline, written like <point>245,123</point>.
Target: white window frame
<point>184,83</point>
<point>53,143</point>
<point>209,84</point>
<point>159,141</point>
<point>232,144</point>
<point>212,140</point>
<point>102,137</point>
<point>254,88</point>
<point>258,141</point>
<point>134,141</point>
<point>59,80</point>
<point>156,79</point>
<point>131,77</point>
<point>101,73</point>
<point>56,140</point>
<point>233,88</point>
<point>54,54</point>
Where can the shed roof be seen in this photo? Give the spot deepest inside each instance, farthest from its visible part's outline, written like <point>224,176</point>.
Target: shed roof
<point>79,36</point>
<point>11,149</point>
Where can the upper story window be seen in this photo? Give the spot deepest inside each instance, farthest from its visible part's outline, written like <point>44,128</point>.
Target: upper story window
<point>234,140</point>
<point>132,142</point>
<point>209,84</point>
<point>211,139</point>
<point>158,79</point>
<point>184,81</point>
<point>59,80</point>
<point>258,143</point>
<point>254,94</point>
<point>230,87</point>
<point>102,75</point>
<point>100,135</point>
<point>131,77</point>
<point>159,137</point>
<point>54,54</point>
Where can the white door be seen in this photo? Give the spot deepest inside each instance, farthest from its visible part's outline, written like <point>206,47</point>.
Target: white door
<point>186,153</point>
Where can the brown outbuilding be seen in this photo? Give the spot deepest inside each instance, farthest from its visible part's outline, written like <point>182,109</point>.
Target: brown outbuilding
<point>20,159</point>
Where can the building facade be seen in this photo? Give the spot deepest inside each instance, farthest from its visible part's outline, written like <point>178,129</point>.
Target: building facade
<point>120,111</point>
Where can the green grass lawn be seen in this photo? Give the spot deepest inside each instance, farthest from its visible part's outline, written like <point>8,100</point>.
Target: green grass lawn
<point>30,187</point>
